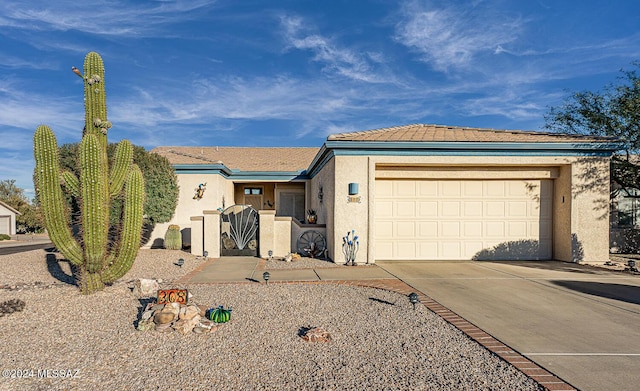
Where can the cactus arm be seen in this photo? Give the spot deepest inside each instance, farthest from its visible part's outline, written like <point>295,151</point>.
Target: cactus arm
<point>120,168</point>
<point>132,221</point>
<point>95,98</point>
<point>94,202</point>
<point>71,183</point>
<point>50,194</point>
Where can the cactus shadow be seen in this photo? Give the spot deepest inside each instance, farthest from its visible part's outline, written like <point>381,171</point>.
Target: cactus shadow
<point>54,267</point>
<point>381,301</point>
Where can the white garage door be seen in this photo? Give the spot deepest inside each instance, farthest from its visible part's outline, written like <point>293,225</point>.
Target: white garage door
<point>463,219</point>
<point>5,225</point>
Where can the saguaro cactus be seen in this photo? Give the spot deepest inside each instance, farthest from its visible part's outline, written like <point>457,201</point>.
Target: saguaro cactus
<point>102,255</point>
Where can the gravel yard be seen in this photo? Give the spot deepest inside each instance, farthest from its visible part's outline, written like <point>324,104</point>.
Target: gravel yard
<point>378,340</point>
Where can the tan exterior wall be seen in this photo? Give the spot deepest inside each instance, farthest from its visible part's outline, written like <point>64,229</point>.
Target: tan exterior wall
<point>217,190</point>
<point>590,210</point>
<point>580,225</point>
<point>350,214</point>
<point>580,199</point>
<point>325,209</point>
<point>562,200</point>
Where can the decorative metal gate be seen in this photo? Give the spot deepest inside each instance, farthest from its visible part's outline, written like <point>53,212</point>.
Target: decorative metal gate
<point>239,231</point>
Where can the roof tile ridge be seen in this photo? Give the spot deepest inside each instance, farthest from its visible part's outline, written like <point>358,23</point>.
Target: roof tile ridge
<point>193,156</point>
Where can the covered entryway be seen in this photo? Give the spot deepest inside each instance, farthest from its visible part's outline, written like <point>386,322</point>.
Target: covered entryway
<point>449,219</point>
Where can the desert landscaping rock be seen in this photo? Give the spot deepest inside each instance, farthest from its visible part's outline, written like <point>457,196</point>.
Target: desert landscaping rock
<point>377,340</point>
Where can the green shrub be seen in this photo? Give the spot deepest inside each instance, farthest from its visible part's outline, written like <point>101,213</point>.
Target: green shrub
<point>5,237</point>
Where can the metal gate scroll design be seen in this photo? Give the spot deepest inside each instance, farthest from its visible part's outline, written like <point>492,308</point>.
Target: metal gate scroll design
<point>238,231</point>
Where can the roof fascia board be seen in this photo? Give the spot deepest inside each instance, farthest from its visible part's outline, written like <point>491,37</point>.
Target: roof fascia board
<point>465,145</point>
<point>224,171</point>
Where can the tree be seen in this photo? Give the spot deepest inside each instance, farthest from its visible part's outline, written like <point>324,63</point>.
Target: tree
<point>161,182</point>
<point>30,219</point>
<point>613,112</point>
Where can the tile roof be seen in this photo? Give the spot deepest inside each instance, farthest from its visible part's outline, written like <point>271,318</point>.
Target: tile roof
<point>265,159</point>
<point>435,133</point>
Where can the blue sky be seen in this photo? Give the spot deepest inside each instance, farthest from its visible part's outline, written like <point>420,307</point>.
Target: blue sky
<point>289,73</point>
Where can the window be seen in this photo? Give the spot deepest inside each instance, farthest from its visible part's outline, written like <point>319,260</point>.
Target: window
<point>252,190</point>
<point>628,208</point>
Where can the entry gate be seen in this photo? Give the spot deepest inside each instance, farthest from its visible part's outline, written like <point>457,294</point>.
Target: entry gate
<point>239,231</point>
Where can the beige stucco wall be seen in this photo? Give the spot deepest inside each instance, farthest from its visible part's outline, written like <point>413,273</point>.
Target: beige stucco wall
<point>580,199</point>
<point>562,199</point>
<point>325,209</point>
<point>218,188</point>
<point>581,226</point>
<point>590,210</point>
<point>349,215</point>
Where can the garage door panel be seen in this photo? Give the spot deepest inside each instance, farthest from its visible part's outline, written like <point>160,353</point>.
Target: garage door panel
<point>493,188</point>
<point>384,249</point>
<point>384,209</point>
<point>451,250</point>
<point>471,248</point>
<point>428,229</point>
<point>472,188</point>
<point>472,208</point>
<point>405,249</point>
<point>426,249</point>
<point>450,208</point>
<point>427,188</point>
<point>404,188</point>
<point>405,209</point>
<point>517,208</point>
<point>472,229</point>
<point>460,219</point>
<point>405,229</point>
<point>384,189</point>
<point>518,228</point>
<point>450,188</point>
<point>450,229</point>
<point>384,229</point>
<point>495,209</point>
<point>494,229</point>
<point>428,209</point>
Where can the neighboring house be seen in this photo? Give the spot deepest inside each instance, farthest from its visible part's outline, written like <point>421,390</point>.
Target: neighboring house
<point>7,219</point>
<point>415,192</point>
<point>625,222</point>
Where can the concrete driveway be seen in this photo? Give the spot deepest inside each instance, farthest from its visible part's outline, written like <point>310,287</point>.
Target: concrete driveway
<point>578,322</point>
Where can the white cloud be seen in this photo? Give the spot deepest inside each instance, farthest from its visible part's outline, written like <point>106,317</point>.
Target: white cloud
<point>452,36</point>
<point>352,64</point>
<point>115,18</point>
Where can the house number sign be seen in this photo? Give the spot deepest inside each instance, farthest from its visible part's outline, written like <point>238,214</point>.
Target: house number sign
<point>173,296</point>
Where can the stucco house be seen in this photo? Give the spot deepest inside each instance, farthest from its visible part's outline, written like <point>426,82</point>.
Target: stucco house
<point>414,192</point>
<point>8,219</point>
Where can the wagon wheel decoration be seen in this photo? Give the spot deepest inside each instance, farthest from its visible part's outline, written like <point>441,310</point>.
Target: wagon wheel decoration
<point>311,244</point>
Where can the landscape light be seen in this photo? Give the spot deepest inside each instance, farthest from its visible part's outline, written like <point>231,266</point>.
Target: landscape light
<point>180,262</point>
<point>413,298</point>
<point>266,276</point>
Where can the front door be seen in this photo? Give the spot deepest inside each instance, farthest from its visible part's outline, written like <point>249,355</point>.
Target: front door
<point>254,200</point>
